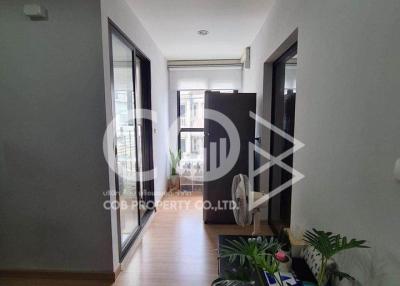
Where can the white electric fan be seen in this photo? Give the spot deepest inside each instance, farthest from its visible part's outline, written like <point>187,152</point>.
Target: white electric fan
<point>240,195</point>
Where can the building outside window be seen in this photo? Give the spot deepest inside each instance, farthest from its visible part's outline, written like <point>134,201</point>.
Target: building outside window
<point>191,137</point>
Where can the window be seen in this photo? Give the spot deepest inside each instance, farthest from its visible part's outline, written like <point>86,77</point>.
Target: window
<point>191,116</point>
<point>196,143</point>
<point>191,136</point>
<point>183,116</point>
<point>195,107</point>
<point>183,107</point>
<point>183,145</point>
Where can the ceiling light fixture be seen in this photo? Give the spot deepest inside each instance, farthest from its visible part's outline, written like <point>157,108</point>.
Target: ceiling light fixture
<point>202,32</point>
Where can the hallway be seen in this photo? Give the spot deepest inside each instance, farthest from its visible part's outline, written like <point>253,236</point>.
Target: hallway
<point>177,248</point>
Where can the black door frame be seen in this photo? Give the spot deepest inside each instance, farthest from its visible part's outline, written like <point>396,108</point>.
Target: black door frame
<point>147,138</point>
<point>277,84</point>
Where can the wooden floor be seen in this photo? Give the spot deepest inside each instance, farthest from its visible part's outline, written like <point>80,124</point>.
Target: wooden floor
<point>178,248</point>
<point>50,282</point>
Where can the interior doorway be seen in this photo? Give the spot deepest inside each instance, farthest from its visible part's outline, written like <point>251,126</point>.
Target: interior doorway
<point>283,103</point>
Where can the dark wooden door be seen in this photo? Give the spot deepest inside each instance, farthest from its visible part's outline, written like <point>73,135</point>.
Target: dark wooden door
<point>235,106</point>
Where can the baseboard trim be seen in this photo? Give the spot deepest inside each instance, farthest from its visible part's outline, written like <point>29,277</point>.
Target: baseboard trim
<point>117,271</point>
<point>59,275</point>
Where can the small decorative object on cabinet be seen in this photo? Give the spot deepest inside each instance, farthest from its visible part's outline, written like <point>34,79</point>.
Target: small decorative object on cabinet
<point>285,261</point>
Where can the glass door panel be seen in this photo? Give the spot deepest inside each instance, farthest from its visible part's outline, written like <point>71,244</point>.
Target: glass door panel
<point>140,133</point>
<point>126,152</point>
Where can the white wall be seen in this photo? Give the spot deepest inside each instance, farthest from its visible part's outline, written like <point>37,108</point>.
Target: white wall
<point>123,16</point>
<point>347,115</point>
<point>198,78</point>
<point>52,169</point>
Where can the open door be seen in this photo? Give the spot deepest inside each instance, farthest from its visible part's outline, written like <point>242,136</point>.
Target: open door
<point>235,106</point>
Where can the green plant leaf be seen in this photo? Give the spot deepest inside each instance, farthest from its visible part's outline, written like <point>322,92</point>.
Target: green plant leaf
<point>175,160</point>
<point>257,254</point>
<point>342,275</point>
<point>227,282</point>
<point>237,277</point>
<point>328,245</point>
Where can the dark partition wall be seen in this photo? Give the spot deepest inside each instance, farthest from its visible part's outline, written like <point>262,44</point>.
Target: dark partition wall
<point>235,106</point>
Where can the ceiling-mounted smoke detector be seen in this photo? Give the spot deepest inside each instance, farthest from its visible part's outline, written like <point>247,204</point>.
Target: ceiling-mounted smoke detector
<point>202,32</point>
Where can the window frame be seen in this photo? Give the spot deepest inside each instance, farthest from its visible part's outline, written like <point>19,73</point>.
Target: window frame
<point>184,129</point>
<point>192,129</point>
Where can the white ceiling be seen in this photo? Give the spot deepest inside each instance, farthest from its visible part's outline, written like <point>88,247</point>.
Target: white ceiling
<point>173,25</point>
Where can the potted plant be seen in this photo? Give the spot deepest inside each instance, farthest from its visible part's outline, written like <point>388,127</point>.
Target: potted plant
<point>174,178</point>
<point>284,240</point>
<point>255,255</point>
<point>328,245</point>
<point>284,256</point>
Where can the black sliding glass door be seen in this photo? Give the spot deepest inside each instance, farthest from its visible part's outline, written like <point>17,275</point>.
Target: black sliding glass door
<point>126,136</point>
<point>130,84</point>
